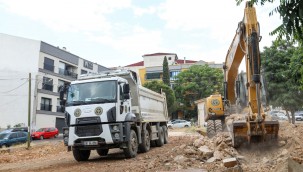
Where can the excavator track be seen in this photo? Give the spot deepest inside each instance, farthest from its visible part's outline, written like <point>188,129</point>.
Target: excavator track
<point>214,127</point>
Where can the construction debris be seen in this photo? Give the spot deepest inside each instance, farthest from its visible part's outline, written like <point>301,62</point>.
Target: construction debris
<point>187,151</point>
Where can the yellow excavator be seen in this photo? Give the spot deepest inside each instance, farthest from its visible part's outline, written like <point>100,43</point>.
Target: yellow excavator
<point>253,125</point>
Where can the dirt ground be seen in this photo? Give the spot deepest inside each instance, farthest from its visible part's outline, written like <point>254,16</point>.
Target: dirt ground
<point>186,151</point>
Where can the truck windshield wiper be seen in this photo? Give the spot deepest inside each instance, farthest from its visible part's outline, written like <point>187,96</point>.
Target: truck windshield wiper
<point>100,100</point>
<point>76,102</point>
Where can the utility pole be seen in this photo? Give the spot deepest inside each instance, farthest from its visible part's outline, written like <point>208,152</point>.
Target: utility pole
<point>29,111</point>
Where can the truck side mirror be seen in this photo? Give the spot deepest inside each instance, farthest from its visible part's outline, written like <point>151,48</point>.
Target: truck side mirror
<point>126,96</point>
<point>62,102</point>
<point>63,90</point>
<point>126,88</point>
<point>62,94</point>
<point>62,109</point>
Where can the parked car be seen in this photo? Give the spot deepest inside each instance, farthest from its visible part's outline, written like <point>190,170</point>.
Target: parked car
<point>278,115</point>
<point>299,117</point>
<point>171,121</point>
<point>12,138</point>
<point>179,123</point>
<point>281,116</point>
<point>23,129</point>
<point>44,133</point>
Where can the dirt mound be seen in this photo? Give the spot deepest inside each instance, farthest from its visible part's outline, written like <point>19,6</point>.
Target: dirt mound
<point>20,153</point>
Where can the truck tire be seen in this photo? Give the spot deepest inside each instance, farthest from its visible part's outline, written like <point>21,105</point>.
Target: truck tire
<point>81,155</point>
<point>145,145</point>
<point>102,152</point>
<point>165,134</point>
<point>160,140</point>
<point>132,145</point>
<point>153,143</point>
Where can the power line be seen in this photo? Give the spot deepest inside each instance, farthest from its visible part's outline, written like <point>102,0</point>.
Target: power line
<point>10,79</point>
<point>15,88</point>
<point>13,95</point>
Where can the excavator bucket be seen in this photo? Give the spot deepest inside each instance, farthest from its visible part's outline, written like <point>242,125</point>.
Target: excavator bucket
<point>243,131</point>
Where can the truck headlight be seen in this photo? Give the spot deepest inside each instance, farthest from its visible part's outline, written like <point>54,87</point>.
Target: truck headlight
<point>117,135</point>
<point>115,128</point>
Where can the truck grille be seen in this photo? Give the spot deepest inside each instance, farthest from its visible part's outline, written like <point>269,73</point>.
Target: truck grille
<point>88,130</point>
<point>88,120</point>
<point>89,126</point>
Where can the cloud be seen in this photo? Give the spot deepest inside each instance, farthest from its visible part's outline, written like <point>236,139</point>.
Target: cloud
<point>141,11</point>
<point>138,40</point>
<point>214,23</point>
<point>193,14</point>
<point>192,28</point>
<point>68,15</point>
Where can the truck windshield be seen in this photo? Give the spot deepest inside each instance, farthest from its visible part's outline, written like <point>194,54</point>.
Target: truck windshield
<point>92,93</point>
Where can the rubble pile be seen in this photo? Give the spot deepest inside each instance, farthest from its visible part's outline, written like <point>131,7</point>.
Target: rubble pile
<point>187,150</point>
<point>272,155</point>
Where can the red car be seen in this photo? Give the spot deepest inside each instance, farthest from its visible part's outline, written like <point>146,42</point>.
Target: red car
<point>44,133</point>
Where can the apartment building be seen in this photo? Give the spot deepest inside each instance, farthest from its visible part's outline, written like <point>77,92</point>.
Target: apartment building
<point>151,68</point>
<point>50,67</point>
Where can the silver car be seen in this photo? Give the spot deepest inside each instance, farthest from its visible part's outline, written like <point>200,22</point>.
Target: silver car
<point>179,123</point>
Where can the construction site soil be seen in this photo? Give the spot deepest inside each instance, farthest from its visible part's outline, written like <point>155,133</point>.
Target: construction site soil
<point>186,151</point>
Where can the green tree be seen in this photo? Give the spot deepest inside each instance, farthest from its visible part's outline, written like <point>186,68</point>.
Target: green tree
<point>165,72</point>
<point>197,82</point>
<point>296,65</point>
<point>282,86</point>
<point>291,13</point>
<point>157,86</point>
<point>17,125</point>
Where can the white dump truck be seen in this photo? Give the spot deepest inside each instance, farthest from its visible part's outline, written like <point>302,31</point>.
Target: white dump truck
<point>112,110</point>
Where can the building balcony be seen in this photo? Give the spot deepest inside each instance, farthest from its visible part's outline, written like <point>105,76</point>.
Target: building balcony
<point>45,107</point>
<point>48,87</point>
<point>67,73</point>
<point>48,67</point>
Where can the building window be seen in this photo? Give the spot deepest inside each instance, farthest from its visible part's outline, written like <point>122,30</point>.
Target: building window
<point>83,71</point>
<point>48,64</point>
<point>173,75</point>
<point>46,104</point>
<point>153,75</point>
<point>169,58</point>
<point>67,70</point>
<point>47,84</point>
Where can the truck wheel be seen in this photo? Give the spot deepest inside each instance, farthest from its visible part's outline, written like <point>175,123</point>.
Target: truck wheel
<point>160,140</point>
<point>165,131</point>
<point>145,145</point>
<point>102,152</point>
<point>153,143</point>
<point>132,145</point>
<point>81,155</point>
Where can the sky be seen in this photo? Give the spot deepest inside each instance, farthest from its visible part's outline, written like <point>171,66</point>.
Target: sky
<point>119,32</point>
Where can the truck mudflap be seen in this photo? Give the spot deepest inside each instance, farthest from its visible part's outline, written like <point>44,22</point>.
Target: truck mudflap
<point>243,131</point>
